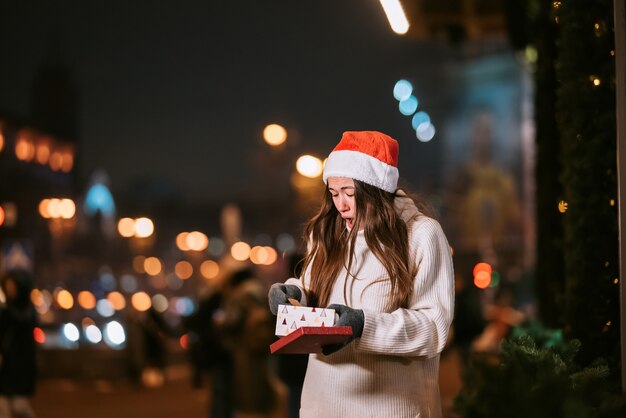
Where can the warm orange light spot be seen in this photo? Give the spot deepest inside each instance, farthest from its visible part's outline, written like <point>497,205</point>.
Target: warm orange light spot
<point>86,300</point>
<point>138,263</point>
<point>209,269</point>
<point>152,266</point>
<point>197,241</point>
<point>259,255</point>
<point>67,161</point>
<point>126,227</point>
<point>272,256</point>
<point>141,301</point>
<point>274,134</point>
<point>482,267</point>
<point>117,300</point>
<point>482,279</point>
<point>181,241</point>
<point>2,215</point>
<point>240,251</point>
<point>43,153</point>
<point>183,269</point>
<point>64,299</point>
<point>56,161</point>
<point>24,150</point>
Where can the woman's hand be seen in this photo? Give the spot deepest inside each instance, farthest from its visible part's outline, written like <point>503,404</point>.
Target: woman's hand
<point>347,317</point>
<point>280,293</point>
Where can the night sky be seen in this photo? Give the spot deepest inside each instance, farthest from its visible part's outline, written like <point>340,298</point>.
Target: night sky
<point>178,93</point>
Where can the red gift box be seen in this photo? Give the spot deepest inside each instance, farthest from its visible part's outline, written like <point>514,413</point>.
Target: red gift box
<point>310,340</point>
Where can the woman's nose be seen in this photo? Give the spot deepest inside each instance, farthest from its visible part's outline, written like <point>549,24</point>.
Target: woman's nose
<point>343,204</point>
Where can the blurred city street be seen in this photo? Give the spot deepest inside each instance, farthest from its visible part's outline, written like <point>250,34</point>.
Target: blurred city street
<point>76,398</point>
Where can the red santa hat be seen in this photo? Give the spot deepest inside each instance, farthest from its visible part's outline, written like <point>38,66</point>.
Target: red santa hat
<point>367,156</point>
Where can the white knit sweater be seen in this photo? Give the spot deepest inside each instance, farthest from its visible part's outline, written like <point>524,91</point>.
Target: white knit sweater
<point>393,369</point>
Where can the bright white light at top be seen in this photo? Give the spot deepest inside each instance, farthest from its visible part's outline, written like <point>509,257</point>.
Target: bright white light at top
<point>395,15</point>
<point>93,334</point>
<point>114,333</point>
<point>426,134</point>
<point>70,331</point>
<point>402,90</point>
<point>408,106</point>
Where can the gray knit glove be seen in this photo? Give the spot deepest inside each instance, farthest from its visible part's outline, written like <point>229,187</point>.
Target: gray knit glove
<point>354,318</point>
<point>279,293</point>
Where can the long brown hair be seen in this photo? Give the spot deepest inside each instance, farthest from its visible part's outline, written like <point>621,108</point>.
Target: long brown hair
<point>331,245</point>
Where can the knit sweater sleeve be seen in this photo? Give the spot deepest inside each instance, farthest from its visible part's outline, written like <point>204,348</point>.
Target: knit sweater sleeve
<point>422,329</point>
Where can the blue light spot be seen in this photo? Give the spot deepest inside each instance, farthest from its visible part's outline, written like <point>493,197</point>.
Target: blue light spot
<point>419,118</point>
<point>408,106</point>
<point>402,90</point>
<point>99,198</point>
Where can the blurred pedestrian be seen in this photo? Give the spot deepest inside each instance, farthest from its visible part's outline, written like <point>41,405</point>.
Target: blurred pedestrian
<point>18,369</point>
<point>208,355</point>
<point>386,269</point>
<point>247,328</point>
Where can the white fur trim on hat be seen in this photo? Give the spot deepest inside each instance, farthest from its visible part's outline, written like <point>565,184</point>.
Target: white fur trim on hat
<point>363,167</point>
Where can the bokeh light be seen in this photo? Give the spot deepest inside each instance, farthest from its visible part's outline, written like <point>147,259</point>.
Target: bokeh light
<point>143,227</point>
<point>183,269</point>
<point>141,301</point>
<point>419,118</point>
<point>209,269</point>
<point>114,334</point>
<point>408,106</point>
<point>181,241</point>
<point>402,90</point>
<point>240,251</point>
<point>152,266</point>
<point>93,334</point>
<point>64,299</point>
<point>309,166</point>
<point>426,133</point>
<point>274,134</point>
<point>126,227</point>
<point>197,241</point>
<point>86,300</point>
<point>70,331</point>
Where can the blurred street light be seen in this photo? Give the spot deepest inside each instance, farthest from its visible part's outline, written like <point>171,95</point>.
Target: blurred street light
<point>57,208</point>
<point>139,228</point>
<point>309,166</point>
<point>395,15</point>
<point>274,135</point>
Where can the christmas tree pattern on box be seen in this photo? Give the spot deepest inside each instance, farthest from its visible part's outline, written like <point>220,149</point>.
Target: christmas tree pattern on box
<point>290,318</point>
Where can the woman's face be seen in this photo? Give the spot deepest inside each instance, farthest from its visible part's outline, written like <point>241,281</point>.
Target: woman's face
<point>342,191</point>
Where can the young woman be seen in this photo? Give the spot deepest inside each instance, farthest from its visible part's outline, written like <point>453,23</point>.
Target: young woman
<point>386,269</point>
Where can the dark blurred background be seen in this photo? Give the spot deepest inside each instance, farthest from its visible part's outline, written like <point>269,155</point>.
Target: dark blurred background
<point>152,150</point>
